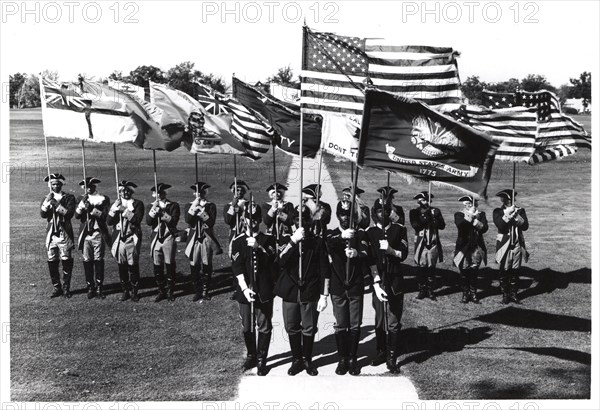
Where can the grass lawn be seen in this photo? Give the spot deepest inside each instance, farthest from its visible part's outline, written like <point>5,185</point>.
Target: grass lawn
<point>109,350</point>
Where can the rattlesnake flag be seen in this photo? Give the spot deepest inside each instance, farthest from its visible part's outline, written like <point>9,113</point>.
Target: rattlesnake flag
<point>406,136</point>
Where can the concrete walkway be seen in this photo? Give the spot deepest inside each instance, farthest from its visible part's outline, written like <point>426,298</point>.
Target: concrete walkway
<point>327,390</point>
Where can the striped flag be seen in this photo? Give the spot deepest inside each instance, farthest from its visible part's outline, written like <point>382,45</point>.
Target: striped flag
<point>336,70</point>
<point>515,129</point>
<point>255,135</point>
<point>558,134</point>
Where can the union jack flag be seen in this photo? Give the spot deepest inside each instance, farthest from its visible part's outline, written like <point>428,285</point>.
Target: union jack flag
<point>64,96</point>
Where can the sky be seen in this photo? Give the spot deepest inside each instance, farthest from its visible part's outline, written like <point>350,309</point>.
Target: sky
<point>497,40</point>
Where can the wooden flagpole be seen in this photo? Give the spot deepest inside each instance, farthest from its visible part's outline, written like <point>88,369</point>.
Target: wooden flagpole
<point>116,168</point>
<point>514,181</point>
<point>85,185</point>
<point>235,198</point>
<point>43,98</point>
<point>318,191</point>
<point>352,207</point>
<point>155,176</point>
<point>301,205</point>
<point>196,160</point>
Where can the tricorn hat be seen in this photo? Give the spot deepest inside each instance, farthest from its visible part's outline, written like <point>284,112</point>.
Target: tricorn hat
<point>312,190</point>
<point>200,186</point>
<point>387,191</point>
<point>424,195</point>
<point>90,181</point>
<point>276,186</point>
<point>507,193</point>
<point>127,185</point>
<point>240,184</point>
<point>256,215</point>
<point>467,198</point>
<point>54,178</point>
<point>161,187</point>
<point>358,190</point>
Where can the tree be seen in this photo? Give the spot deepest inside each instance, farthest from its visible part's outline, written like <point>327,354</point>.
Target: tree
<point>118,76</point>
<point>472,88</point>
<point>284,76</point>
<point>15,87</point>
<point>582,88</point>
<point>536,82</point>
<point>145,73</point>
<point>185,78</point>
<point>30,96</point>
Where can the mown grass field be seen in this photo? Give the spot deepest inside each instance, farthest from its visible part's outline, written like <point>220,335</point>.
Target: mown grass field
<point>77,349</point>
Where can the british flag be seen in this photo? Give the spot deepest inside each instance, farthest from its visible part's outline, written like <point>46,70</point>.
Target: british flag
<point>64,96</point>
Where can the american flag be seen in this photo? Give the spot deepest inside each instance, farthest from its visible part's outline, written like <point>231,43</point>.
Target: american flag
<point>546,102</point>
<point>336,69</point>
<point>255,136</point>
<point>558,134</point>
<point>515,129</point>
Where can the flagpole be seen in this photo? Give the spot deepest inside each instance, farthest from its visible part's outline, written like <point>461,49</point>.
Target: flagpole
<point>196,160</point>
<point>274,165</point>
<point>116,168</point>
<point>351,171</point>
<point>43,98</point>
<point>85,185</point>
<point>429,194</point>
<point>352,207</point>
<point>155,176</point>
<point>237,216</point>
<point>388,178</point>
<point>514,182</point>
<point>319,175</point>
<point>300,206</point>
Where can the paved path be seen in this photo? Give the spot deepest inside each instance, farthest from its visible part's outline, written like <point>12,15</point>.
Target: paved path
<point>368,390</point>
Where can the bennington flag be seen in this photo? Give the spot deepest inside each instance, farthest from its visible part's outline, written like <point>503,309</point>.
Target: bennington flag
<point>336,69</point>
<point>69,110</point>
<point>406,136</point>
<point>515,129</point>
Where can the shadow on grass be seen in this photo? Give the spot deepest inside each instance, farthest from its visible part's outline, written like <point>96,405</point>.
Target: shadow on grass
<point>533,319</point>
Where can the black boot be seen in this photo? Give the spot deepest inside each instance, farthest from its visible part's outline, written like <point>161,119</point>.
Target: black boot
<point>196,282</point>
<point>381,347</point>
<point>473,286</point>
<point>341,340</point>
<point>88,270</point>
<point>353,339</point>
<point>160,282</point>
<point>99,273</point>
<point>67,265</point>
<point>464,285</point>
<point>505,287</point>
<point>53,268</point>
<point>422,291</point>
<point>171,281</point>
<point>296,348</point>
<point>264,340</point>
<point>250,341</point>
<point>206,274</point>
<point>514,288</point>
<point>431,285</point>
<point>124,277</point>
<point>307,348</point>
<point>392,354</point>
<point>134,293</point>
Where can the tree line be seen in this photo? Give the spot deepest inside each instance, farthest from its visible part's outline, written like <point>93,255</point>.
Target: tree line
<point>25,90</point>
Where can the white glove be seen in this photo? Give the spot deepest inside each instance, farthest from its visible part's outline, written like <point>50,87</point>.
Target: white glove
<point>351,253</point>
<point>252,242</point>
<point>249,294</point>
<point>322,303</point>
<point>468,217</point>
<point>202,202</point>
<point>384,245</point>
<point>298,235</point>
<point>273,209</point>
<point>116,207</point>
<point>348,233</point>
<point>477,223</point>
<point>380,293</point>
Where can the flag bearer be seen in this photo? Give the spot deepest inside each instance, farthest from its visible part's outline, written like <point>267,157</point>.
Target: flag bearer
<point>58,208</point>
<point>320,211</point>
<point>278,213</point>
<point>93,234</point>
<point>427,221</point>
<point>126,215</point>
<point>163,216</point>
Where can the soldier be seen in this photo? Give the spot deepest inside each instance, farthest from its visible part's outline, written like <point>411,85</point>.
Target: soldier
<point>363,219</point>
<point>347,286</point>
<point>163,216</point>
<point>388,247</point>
<point>300,290</point>
<point>427,221</point>
<point>92,212</point>
<point>58,208</point>
<point>254,254</point>
<point>201,215</point>
<point>387,194</point>
<point>470,248</point>
<point>320,211</point>
<point>126,215</point>
<point>233,212</point>
<point>511,222</point>
<point>277,213</point>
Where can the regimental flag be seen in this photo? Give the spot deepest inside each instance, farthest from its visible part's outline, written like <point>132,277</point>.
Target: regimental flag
<point>515,129</point>
<point>70,111</point>
<point>204,133</point>
<point>545,101</point>
<point>255,135</point>
<point>406,136</point>
<point>340,135</point>
<point>154,134</point>
<point>208,98</point>
<point>284,118</point>
<point>336,69</point>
